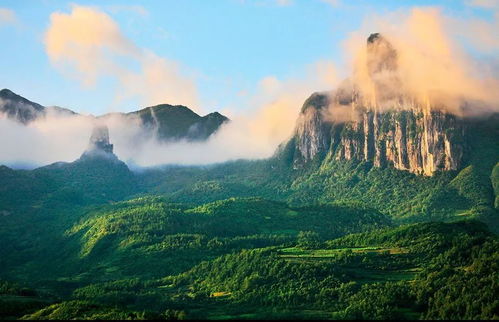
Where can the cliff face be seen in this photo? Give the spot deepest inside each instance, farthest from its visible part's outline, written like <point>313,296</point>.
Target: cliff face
<point>411,140</point>
<point>312,130</point>
<point>394,130</point>
<point>417,142</point>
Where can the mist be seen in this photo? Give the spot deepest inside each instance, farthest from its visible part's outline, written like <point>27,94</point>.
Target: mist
<point>253,134</point>
<point>55,138</point>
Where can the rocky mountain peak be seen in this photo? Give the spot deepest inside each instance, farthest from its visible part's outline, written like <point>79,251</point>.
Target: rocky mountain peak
<point>382,67</point>
<point>99,140</point>
<point>341,125</point>
<point>316,101</point>
<point>18,108</point>
<point>99,145</point>
<point>7,93</point>
<point>381,56</point>
<point>176,122</point>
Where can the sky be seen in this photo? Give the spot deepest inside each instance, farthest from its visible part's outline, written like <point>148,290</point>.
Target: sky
<point>216,55</point>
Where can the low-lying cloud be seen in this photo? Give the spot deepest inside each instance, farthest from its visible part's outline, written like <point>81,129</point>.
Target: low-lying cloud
<point>47,140</point>
<point>252,134</point>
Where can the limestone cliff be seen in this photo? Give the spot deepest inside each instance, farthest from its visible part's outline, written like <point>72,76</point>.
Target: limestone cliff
<point>312,134</point>
<point>408,140</point>
<point>411,140</point>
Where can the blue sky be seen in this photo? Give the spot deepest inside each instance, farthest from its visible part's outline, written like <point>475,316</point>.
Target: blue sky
<point>225,46</point>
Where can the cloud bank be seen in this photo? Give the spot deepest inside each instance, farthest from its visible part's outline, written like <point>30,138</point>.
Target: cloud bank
<point>251,135</point>
<point>47,140</point>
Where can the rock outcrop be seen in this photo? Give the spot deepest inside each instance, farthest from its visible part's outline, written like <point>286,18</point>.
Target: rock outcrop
<point>99,145</point>
<point>99,140</point>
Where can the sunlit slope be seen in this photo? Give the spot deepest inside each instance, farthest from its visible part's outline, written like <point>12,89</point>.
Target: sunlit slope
<point>150,230</point>
<point>414,271</point>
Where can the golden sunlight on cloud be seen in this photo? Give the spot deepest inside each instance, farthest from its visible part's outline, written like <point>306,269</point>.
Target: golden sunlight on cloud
<point>88,44</point>
<point>431,67</point>
<point>7,16</point>
<point>280,103</point>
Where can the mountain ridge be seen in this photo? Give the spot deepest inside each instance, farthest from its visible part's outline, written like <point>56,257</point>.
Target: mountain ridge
<point>169,122</point>
<point>19,108</point>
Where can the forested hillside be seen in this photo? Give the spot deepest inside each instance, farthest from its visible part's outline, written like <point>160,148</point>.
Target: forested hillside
<point>430,271</point>
<point>337,239</point>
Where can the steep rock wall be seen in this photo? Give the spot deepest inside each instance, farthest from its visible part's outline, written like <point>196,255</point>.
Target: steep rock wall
<point>419,141</point>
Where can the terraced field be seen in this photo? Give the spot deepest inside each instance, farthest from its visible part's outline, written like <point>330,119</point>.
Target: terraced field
<point>296,252</point>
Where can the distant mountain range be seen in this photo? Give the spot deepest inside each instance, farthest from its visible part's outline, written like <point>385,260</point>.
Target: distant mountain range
<point>168,122</point>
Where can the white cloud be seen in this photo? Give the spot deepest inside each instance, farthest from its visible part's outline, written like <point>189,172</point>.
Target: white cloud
<point>87,44</point>
<point>333,3</point>
<point>136,9</point>
<point>491,4</point>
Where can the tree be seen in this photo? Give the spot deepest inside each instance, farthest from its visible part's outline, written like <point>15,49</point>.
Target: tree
<point>309,240</point>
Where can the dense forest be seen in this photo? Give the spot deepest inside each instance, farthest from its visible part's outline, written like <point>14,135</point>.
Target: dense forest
<point>427,270</point>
